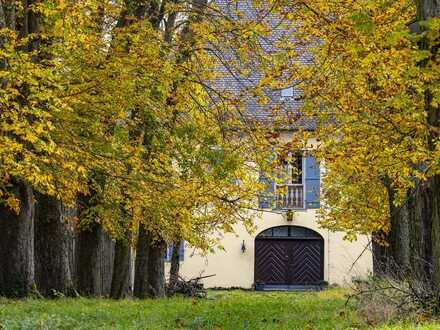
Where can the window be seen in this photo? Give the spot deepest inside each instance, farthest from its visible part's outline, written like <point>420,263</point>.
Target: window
<point>292,170</point>
<point>169,253</point>
<point>290,231</point>
<point>280,232</point>
<point>290,191</point>
<point>296,170</point>
<point>287,92</point>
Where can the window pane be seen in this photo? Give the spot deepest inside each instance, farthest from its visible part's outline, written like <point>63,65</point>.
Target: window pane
<point>290,171</point>
<point>297,170</point>
<point>287,92</point>
<point>290,231</point>
<point>301,232</point>
<point>267,233</point>
<point>281,232</point>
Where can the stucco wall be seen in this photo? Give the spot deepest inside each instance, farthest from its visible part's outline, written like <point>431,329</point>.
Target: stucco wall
<point>233,268</point>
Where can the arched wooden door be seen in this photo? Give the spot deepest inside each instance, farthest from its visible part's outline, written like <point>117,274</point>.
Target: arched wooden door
<point>289,255</point>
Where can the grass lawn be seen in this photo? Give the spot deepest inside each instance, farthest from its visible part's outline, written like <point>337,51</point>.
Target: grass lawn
<point>221,310</point>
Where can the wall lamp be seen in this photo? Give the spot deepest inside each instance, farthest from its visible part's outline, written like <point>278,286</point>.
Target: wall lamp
<point>243,247</point>
<point>289,215</point>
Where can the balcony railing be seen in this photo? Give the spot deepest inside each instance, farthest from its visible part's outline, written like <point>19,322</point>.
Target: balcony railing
<point>290,196</point>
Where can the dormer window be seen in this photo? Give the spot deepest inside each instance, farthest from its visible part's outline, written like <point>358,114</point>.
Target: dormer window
<point>287,92</point>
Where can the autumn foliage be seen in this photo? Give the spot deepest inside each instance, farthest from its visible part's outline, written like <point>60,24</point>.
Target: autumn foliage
<point>111,109</point>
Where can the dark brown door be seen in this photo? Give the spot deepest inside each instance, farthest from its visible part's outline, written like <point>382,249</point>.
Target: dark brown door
<point>271,260</point>
<point>305,264</point>
<point>289,261</point>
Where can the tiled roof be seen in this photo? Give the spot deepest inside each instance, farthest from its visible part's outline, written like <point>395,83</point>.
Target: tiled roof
<point>286,109</point>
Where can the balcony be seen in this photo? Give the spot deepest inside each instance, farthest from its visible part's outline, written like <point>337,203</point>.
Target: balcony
<point>290,196</point>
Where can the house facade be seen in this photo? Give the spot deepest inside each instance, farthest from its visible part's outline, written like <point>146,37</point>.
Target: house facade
<point>288,248</point>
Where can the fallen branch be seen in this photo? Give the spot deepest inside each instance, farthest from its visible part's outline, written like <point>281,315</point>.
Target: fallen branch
<point>189,288</point>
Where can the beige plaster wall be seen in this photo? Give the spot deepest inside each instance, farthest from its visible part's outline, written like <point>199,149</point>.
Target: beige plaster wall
<point>233,268</point>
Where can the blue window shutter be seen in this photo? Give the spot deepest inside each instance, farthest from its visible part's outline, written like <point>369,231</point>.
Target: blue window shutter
<point>265,198</point>
<point>312,184</point>
<point>181,250</point>
<point>169,253</point>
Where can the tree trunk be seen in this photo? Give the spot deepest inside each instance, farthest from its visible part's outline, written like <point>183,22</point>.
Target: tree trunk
<point>427,9</point>
<point>381,254</point>
<point>175,264</point>
<point>435,229</point>
<point>94,261</point>
<point>121,270</point>
<point>401,240</point>
<point>17,273</point>
<point>398,252</point>
<point>53,240</point>
<point>149,278</point>
<point>420,231</point>
<point>140,289</point>
<point>156,269</point>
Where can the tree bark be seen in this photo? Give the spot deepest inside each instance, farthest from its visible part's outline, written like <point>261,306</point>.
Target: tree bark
<point>381,254</point>
<point>17,273</point>
<point>401,240</point>
<point>156,269</point>
<point>140,289</point>
<point>397,254</point>
<point>149,278</point>
<point>420,208</point>
<point>427,9</point>
<point>175,264</point>
<point>121,270</point>
<point>53,240</point>
<point>94,261</point>
<point>410,250</point>
<point>435,229</point>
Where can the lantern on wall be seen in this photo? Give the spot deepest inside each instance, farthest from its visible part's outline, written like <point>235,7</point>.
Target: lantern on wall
<point>243,247</point>
<point>289,215</point>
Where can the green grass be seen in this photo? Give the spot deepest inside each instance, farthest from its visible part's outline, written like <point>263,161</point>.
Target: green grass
<point>222,310</point>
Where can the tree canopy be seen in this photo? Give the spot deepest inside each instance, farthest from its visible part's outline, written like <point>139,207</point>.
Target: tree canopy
<point>111,100</point>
